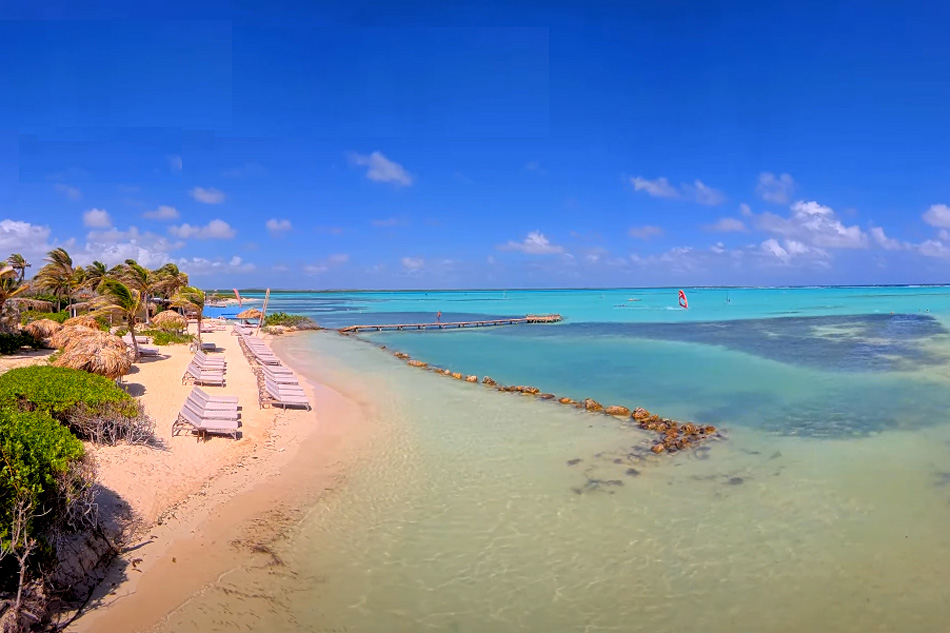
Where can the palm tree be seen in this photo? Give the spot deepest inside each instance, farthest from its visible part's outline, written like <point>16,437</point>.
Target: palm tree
<point>139,278</point>
<point>19,264</point>
<point>95,273</point>
<point>192,298</point>
<point>57,275</point>
<point>168,280</point>
<point>10,285</point>
<point>115,298</point>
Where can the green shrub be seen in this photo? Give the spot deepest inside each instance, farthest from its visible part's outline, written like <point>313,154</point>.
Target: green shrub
<point>56,390</point>
<point>42,471</point>
<point>34,449</point>
<point>30,316</point>
<point>291,320</point>
<point>90,406</point>
<point>10,343</point>
<point>162,337</point>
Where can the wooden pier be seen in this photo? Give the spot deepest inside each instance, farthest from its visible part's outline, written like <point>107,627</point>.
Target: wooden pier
<point>452,325</point>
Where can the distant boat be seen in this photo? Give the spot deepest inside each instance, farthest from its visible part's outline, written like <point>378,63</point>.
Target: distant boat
<point>632,299</point>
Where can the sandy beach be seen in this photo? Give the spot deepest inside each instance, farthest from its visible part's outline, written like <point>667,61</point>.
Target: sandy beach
<point>200,508</point>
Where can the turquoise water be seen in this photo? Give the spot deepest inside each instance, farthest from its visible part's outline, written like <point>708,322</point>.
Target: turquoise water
<point>824,508</point>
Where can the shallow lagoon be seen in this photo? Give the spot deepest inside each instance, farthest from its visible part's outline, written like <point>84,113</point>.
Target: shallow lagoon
<point>825,508</point>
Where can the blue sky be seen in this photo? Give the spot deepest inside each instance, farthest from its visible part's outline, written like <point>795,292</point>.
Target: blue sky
<point>418,145</point>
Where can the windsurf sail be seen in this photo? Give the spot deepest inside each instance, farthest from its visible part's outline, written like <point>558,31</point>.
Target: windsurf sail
<point>237,295</point>
<point>683,302</point>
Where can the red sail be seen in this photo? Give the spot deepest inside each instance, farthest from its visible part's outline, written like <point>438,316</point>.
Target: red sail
<point>683,302</point>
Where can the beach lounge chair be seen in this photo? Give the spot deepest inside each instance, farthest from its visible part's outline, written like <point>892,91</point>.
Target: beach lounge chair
<point>188,419</point>
<point>204,359</point>
<point>281,378</point>
<point>275,397</point>
<point>211,414</point>
<point>204,404</point>
<point>285,389</point>
<point>202,394</point>
<point>199,376</point>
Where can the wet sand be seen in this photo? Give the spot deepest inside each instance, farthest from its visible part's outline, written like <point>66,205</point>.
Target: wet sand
<point>202,506</point>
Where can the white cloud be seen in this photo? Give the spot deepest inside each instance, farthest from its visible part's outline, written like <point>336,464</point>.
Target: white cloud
<point>727,225</point>
<point>534,244</point>
<point>412,263</point>
<point>201,266</point>
<point>703,194</point>
<point>96,218</point>
<point>718,248</point>
<point>208,196</point>
<point>70,192</point>
<point>790,250</point>
<point>745,210</point>
<point>214,230</point>
<point>645,232</point>
<point>814,224</point>
<point>933,248</point>
<point>777,189</point>
<point>25,238</point>
<point>113,246</point>
<point>338,258</point>
<point>659,188</point>
<point>164,212</point>
<point>938,215</point>
<point>174,163</point>
<point>885,242</point>
<point>276,227</point>
<point>381,169</point>
<point>698,191</point>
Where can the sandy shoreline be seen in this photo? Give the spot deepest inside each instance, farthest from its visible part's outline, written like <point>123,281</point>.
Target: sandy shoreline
<point>204,508</point>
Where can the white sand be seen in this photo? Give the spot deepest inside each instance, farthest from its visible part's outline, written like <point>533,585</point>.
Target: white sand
<point>199,504</point>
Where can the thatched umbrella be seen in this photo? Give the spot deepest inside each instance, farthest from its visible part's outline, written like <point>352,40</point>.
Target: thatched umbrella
<point>250,313</point>
<point>86,320</point>
<point>170,320</point>
<point>64,337</point>
<point>97,352</point>
<point>42,328</point>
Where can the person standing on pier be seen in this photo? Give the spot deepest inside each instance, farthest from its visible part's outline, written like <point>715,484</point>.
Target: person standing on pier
<point>438,316</point>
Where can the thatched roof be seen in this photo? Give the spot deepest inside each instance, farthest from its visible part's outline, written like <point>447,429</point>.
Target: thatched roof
<point>250,313</point>
<point>98,353</point>
<point>65,336</point>
<point>31,304</point>
<point>169,319</point>
<point>84,320</point>
<point>43,328</point>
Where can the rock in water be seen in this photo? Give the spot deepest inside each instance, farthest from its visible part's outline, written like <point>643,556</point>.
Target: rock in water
<point>417,363</point>
<point>617,410</point>
<point>471,379</point>
<point>592,405</point>
<point>487,380</point>
<point>566,401</point>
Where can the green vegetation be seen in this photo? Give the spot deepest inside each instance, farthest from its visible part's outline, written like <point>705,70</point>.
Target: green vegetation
<point>10,343</point>
<point>46,494</point>
<point>296,321</point>
<point>163,337</point>
<point>29,317</point>
<point>34,449</point>
<point>90,406</point>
